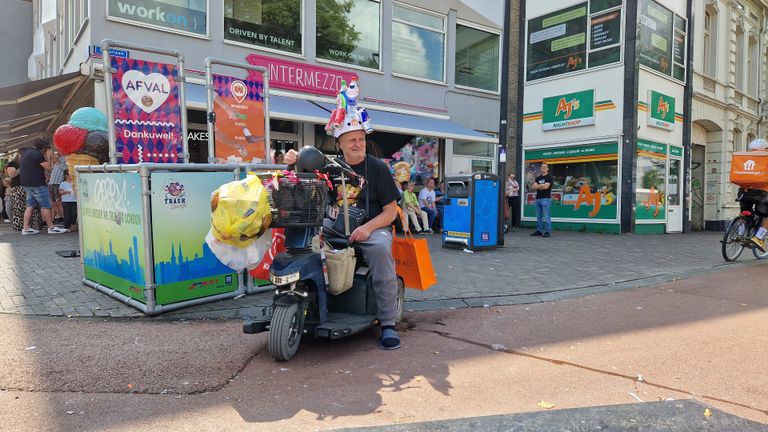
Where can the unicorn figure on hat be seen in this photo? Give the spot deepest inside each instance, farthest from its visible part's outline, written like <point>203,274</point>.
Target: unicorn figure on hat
<point>347,116</point>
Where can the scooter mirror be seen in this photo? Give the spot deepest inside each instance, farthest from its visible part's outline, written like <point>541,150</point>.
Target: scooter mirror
<point>309,160</point>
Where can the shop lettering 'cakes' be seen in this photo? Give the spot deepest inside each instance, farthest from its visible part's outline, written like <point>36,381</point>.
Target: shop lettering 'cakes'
<point>347,116</point>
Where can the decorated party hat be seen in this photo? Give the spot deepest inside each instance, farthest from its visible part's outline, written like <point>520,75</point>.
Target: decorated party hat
<point>348,116</point>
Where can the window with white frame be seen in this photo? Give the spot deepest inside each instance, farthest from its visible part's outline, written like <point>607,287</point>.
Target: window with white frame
<point>752,67</point>
<point>709,49</point>
<point>418,43</point>
<point>477,58</point>
<point>349,31</point>
<point>740,43</point>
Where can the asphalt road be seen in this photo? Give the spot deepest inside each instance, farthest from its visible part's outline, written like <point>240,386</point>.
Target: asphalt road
<point>701,338</point>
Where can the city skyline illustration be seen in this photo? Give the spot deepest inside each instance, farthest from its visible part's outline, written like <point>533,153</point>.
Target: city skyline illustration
<point>182,268</point>
<point>107,261</point>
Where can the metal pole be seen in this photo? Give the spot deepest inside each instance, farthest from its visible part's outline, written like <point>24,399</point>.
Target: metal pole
<point>687,106</point>
<point>629,126</point>
<point>182,80</point>
<point>107,71</point>
<point>149,258</point>
<point>209,116</point>
<point>267,142</point>
<point>519,94</point>
<point>504,108</point>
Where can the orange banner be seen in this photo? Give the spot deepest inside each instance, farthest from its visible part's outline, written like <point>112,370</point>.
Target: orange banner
<point>239,128</point>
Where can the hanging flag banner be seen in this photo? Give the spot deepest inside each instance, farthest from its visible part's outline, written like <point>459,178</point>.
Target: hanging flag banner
<point>239,127</point>
<point>147,112</point>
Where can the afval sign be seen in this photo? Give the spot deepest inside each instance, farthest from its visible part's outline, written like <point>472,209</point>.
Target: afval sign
<point>568,110</point>
<point>661,111</point>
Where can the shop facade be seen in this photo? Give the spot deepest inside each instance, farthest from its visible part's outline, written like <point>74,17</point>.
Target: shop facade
<point>429,72</point>
<point>729,108</point>
<point>605,115</point>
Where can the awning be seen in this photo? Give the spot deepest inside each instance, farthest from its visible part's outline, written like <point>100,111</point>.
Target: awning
<point>415,124</point>
<point>31,110</point>
<point>288,108</point>
<point>280,107</point>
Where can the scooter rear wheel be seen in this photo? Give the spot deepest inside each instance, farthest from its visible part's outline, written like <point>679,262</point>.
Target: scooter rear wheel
<point>400,299</point>
<point>285,331</point>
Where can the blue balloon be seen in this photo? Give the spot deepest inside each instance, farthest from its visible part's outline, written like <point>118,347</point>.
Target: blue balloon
<point>89,118</point>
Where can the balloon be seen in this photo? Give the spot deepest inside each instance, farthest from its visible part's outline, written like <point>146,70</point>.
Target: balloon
<point>97,145</point>
<point>69,139</point>
<point>89,118</point>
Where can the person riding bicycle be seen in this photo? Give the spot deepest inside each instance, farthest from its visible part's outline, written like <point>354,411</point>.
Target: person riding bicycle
<point>378,195</point>
<point>756,200</point>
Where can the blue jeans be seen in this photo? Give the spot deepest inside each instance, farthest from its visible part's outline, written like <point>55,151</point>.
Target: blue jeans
<point>431,213</point>
<point>37,196</point>
<point>543,220</point>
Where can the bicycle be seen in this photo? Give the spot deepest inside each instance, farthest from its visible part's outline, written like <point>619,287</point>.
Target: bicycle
<point>738,236</point>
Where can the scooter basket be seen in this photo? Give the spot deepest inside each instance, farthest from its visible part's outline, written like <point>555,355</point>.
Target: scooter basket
<point>297,201</point>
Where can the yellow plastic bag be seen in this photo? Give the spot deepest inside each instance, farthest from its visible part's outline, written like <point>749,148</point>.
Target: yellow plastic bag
<point>240,211</point>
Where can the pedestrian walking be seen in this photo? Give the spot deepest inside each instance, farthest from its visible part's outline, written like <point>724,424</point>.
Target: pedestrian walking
<point>512,191</point>
<point>16,197</point>
<point>32,168</point>
<point>6,198</point>
<point>543,187</point>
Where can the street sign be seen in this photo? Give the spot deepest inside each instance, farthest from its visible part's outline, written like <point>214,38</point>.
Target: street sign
<point>95,50</point>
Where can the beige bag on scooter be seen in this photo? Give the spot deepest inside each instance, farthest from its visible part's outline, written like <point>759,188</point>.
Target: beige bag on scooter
<point>341,268</point>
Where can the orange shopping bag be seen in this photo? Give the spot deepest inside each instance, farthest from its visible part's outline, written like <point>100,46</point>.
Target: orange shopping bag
<point>412,261</point>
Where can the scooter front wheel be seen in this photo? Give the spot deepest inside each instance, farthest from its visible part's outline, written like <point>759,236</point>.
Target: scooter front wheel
<point>285,331</point>
<point>400,299</point>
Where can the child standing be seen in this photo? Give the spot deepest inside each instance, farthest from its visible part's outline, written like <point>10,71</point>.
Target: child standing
<point>68,202</point>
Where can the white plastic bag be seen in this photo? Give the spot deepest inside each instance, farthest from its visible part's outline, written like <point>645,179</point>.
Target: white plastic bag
<point>239,258</point>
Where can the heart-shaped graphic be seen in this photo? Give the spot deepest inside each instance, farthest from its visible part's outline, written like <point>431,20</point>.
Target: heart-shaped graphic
<point>148,92</point>
<point>239,90</point>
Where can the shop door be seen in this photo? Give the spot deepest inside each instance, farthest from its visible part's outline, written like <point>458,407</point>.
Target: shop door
<point>697,188</point>
<point>674,196</point>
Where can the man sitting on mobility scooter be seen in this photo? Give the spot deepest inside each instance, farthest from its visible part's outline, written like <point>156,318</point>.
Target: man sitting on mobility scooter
<point>756,200</point>
<point>377,195</point>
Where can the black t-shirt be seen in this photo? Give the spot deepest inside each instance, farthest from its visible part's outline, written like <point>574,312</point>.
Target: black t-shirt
<point>15,181</point>
<point>378,186</point>
<point>544,193</point>
<point>32,173</point>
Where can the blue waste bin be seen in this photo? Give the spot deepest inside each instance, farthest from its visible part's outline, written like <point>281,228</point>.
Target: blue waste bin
<point>471,211</point>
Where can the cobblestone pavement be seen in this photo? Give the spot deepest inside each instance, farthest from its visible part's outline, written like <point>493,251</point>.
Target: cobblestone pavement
<point>34,280</point>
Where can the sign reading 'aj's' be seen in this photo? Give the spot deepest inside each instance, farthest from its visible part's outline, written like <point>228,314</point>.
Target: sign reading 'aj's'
<point>568,110</point>
<point>661,112</point>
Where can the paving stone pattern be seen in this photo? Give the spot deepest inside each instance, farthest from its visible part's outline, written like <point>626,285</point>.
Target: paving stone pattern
<point>34,280</point>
